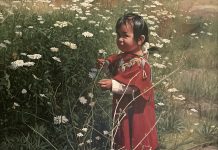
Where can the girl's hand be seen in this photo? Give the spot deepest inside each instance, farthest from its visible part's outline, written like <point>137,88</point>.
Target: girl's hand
<point>100,62</point>
<point>105,84</point>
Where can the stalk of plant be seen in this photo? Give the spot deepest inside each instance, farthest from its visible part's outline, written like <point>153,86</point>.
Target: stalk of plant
<point>115,127</point>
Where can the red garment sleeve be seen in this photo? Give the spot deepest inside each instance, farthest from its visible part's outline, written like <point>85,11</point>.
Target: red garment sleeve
<point>138,76</point>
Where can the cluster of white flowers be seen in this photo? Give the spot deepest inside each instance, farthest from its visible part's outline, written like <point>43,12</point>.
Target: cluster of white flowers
<point>89,141</point>
<point>60,119</point>
<point>157,3</point>
<point>105,132</point>
<point>92,75</point>
<point>160,66</point>
<point>150,22</point>
<point>43,95</point>
<point>15,105</point>
<point>7,41</point>
<point>81,144</point>
<point>44,1</point>
<point>92,22</point>
<point>160,104</point>
<point>87,34</point>
<point>166,40</point>
<point>20,63</point>
<point>102,51</point>
<point>92,104</point>
<point>159,45</point>
<point>69,44</point>
<point>97,138</point>
<point>172,90</point>
<point>1,16</point>
<point>193,110</point>
<point>34,56</point>
<point>157,55</point>
<point>179,97</point>
<point>79,134</point>
<point>153,34</point>
<point>18,33</point>
<point>196,123</point>
<point>84,101</point>
<point>90,95</point>
<point>3,45</point>
<point>24,91</point>
<point>166,84</point>
<point>82,18</point>
<point>84,129</point>
<point>61,24</point>
<point>209,33</point>
<point>86,3</point>
<point>40,19</point>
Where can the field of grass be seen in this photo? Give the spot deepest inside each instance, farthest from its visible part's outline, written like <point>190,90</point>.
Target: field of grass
<point>49,98</point>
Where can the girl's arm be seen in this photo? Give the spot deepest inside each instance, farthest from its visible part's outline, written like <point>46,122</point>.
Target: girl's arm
<point>119,88</point>
<point>116,87</point>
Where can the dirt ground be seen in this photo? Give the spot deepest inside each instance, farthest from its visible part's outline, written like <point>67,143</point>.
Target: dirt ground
<point>205,9</point>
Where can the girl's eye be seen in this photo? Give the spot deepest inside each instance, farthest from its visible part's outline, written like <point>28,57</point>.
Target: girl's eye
<point>122,35</point>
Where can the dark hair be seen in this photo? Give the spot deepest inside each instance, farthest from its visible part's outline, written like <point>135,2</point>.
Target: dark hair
<point>138,24</point>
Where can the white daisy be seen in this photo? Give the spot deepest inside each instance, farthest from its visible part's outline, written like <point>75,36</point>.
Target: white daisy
<point>80,134</point>
<point>24,91</point>
<point>90,95</point>
<point>83,100</point>
<point>105,132</point>
<point>84,129</point>
<point>98,138</point>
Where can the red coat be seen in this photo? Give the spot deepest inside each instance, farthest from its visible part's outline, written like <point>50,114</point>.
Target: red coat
<point>137,128</point>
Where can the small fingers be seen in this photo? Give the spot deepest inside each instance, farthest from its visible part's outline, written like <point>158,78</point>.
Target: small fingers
<point>100,62</point>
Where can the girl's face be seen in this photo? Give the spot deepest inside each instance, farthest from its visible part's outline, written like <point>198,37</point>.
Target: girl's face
<point>125,39</point>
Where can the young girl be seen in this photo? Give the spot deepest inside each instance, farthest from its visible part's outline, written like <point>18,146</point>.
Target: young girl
<point>133,96</point>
